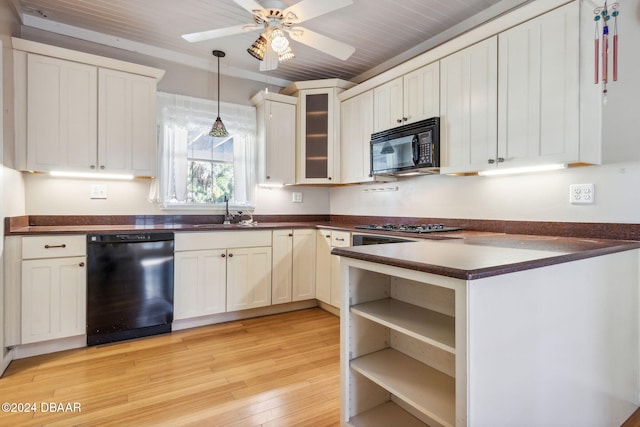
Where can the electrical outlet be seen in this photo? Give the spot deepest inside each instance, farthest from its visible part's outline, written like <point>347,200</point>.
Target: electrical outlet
<point>581,194</point>
<point>296,197</point>
<point>98,191</point>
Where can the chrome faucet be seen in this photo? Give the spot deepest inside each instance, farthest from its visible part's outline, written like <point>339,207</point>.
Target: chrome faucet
<point>227,216</point>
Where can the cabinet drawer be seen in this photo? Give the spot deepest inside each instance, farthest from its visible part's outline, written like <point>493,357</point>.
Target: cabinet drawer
<point>222,240</point>
<point>53,246</point>
<point>340,238</point>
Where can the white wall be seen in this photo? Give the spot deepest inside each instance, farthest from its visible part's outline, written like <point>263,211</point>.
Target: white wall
<point>532,197</point>
<point>61,196</point>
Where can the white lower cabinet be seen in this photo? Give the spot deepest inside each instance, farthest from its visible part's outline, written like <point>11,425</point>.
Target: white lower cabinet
<point>248,278</point>
<point>216,272</point>
<point>200,283</point>
<point>54,283</point>
<point>328,283</point>
<point>293,269</point>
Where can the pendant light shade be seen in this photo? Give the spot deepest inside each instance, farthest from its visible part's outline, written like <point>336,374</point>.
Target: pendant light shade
<point>258,48</point>
<point>218,129</point>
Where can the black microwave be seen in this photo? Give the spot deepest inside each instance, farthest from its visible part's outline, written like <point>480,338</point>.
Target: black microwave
<point>408,149</point>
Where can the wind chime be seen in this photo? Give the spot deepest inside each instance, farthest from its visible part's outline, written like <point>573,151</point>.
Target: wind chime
<point>604,14</point>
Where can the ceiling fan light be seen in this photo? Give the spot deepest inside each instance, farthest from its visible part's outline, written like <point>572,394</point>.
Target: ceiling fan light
<point>258,48</point>
<point>286,55</point>
<point>279,42</point>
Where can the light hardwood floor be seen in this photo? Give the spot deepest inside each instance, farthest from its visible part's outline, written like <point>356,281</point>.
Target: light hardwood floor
<point>280,370</point>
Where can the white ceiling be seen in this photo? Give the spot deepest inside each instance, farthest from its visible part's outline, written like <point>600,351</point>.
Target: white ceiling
<point>384,32</point>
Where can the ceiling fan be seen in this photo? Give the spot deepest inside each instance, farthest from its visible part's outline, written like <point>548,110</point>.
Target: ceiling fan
<point>276,19</point>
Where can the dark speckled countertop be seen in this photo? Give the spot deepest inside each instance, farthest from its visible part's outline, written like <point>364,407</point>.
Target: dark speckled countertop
<point>476,256</point>
<point>482,249</point>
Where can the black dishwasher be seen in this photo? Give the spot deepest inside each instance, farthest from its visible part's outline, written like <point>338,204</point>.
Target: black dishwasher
<point>129,285</point>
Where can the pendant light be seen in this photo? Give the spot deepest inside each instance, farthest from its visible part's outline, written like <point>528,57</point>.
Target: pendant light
<point>218,129</point>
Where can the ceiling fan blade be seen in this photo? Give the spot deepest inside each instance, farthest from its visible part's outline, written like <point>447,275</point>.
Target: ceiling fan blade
<point>220,32</point>
<point>248,5</point>
<point>309,9</point>
<point>270,61</point>
<point>323,43</point>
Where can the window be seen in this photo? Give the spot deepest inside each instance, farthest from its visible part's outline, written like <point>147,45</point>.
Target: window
<point>200,171</point>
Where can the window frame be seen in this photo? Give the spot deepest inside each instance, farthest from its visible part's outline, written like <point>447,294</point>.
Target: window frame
<point>175,114</point>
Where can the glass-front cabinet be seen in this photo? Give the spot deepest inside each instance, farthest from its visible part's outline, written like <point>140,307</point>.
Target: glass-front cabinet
<point>318,158</point>
<point>316,136</point>
<point>318,140</point>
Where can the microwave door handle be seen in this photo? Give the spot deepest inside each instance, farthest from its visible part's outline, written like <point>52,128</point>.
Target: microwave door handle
<point>415,145</point>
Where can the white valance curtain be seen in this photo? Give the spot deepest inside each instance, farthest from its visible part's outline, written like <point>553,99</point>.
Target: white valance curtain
<point>181,118</point>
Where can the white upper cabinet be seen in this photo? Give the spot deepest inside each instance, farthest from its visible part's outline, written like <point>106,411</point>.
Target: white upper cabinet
<point>276,119</point>
<point>126,123</point>
<point>513,100</point>
<point>538,101</point>
<point>77,112</point>
<point>61,114</point>
<point>468,108</point>
<point>407,99</point>
<point>357,127</point>
<point>387,109</point>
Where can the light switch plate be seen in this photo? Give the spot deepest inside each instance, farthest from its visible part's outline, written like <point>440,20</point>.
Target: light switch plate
<point>98,191</point>
<point>296,197</point>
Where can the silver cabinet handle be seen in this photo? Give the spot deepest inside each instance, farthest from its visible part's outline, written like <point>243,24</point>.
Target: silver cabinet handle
<point>339,239</point>
<point>55,246</point>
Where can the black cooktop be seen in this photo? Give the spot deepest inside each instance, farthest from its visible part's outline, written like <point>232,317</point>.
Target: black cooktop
<point>409,228</point>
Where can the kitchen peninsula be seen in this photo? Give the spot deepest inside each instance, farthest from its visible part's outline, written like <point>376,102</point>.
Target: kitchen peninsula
<point>491,331</point>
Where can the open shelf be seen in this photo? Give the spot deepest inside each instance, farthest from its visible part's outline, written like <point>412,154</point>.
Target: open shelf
<point>387,414</point>
<point>420,323</point>
<point>421,386</point>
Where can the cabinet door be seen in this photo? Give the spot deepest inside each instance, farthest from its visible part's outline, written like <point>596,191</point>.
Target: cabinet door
<point>388,105</point>
<point>338,239</point>
<point>248,278</point>
<point>54,298</point>
<point>318,152</point>
<point>538,91</point>
<point>468,108</point>
<point>421,89</point>
<point>61,115</point>
<point>282,266</point>
<point>126,123</point>
<point>304,265</point>
<point>357,127</point>
<point>277,120</point>
<point>323,266</point>
<point>200,283</point>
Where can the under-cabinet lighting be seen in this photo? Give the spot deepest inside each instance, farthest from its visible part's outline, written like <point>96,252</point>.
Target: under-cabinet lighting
<point>89,175</point>
<point>269,185</point>
<point>524,169</point>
